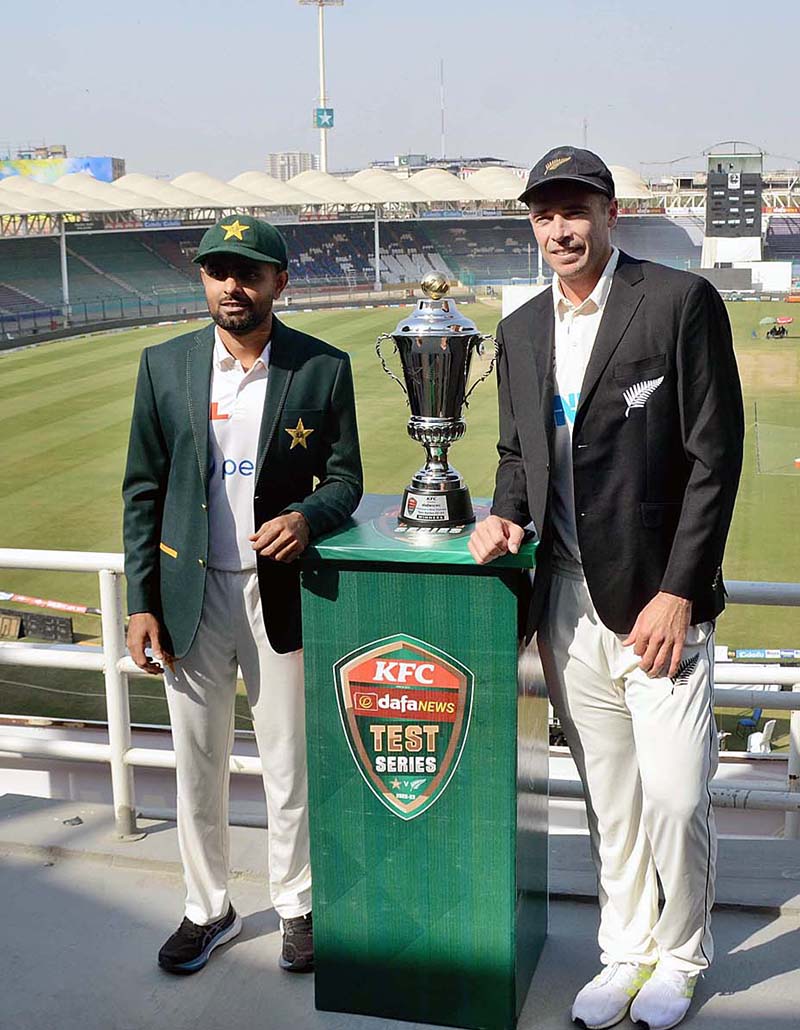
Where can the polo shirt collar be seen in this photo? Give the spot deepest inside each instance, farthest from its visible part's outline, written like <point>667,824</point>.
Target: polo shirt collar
<point>225,361</point>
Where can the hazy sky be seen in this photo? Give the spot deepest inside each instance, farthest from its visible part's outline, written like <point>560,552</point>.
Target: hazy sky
<point>174,87</point>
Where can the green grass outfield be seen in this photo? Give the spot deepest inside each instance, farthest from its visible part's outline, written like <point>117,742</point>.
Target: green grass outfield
<point>64,415</point>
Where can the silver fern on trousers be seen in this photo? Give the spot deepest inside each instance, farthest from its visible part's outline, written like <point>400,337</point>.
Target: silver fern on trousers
<point>636,396</point>
<point>685,670</point>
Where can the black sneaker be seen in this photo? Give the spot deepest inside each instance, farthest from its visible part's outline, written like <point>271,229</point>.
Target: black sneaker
<point>190,947</point>
<point>297,952</point>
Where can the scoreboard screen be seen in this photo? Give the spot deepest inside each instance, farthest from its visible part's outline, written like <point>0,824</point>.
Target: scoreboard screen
<point>733,204</point>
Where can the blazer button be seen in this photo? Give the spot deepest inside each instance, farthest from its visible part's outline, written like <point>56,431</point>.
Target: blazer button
<point>204,506</point>
<point>201,562</point>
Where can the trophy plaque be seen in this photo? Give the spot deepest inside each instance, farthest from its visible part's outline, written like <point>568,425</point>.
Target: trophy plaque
<point>436,345</point>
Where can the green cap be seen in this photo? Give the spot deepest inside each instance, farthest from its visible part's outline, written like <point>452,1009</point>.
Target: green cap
<point>246,236</point>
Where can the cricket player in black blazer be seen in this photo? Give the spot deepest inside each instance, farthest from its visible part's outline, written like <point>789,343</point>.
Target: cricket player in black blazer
<point>621,432</point>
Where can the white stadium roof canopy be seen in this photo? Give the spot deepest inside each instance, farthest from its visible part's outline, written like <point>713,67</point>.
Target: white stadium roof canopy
<point>271,191</point>
<point>629,184</point>
<point>386,188</point>
<point>80,193</point>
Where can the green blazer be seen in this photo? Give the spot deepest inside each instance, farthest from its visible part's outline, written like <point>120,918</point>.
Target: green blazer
<point>165,490</point>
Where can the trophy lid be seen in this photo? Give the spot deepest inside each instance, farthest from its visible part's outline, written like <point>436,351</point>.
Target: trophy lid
<point>436,314</point>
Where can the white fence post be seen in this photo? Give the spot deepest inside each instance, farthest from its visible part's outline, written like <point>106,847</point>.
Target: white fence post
<point>117,705</point>
<point>791,826</point>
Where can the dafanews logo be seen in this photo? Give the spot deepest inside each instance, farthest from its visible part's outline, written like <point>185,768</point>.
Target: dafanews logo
<point>405,708</point>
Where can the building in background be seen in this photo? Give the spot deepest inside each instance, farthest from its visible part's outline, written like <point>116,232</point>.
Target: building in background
<point>46,164</point>
<point>285,164</point>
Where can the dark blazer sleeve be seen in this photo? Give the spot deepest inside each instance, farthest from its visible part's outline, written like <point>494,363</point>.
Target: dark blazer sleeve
<point>712,427</point>
<point>341,481</point>
<point>143,492</point>
<point>510,492</point>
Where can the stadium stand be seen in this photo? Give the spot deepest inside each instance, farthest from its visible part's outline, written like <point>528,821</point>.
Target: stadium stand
<point>677,242</point>
<point>32,268</point>
<point>100,266</point>
<point>125,261</point>
<point>135,270</point>
<point>485,250</point>
<point>407,255</point>
<point>782,241</point>
<point>12,300</point>
<point>329,254</point>
<point>175,248</point>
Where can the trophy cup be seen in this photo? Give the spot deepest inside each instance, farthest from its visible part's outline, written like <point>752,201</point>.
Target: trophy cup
<point>436,345</point>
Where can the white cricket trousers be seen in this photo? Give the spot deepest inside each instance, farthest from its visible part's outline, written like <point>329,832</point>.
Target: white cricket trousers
<point>646,750</point>
<point>201,693</point>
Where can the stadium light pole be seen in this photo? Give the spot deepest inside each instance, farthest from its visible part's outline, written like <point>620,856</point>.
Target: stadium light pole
<point>62,241</point>
<point>323,126</point>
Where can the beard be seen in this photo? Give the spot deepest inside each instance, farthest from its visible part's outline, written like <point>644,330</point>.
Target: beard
<point>245,322</point>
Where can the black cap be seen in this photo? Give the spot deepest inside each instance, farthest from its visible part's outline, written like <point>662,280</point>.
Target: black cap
<point>568,164</point>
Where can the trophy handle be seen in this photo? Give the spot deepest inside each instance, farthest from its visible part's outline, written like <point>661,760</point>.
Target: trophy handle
<point>489,370</point>
<point>386,369</point>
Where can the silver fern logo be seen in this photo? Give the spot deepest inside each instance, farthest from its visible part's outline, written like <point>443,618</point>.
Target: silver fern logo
<point>685,670</point>
<point>639,394</point>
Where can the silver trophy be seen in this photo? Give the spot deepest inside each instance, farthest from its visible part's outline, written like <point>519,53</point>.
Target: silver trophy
<point>436,345</point>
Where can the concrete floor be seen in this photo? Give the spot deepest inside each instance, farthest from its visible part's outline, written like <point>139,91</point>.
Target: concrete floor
<point>84,915</point>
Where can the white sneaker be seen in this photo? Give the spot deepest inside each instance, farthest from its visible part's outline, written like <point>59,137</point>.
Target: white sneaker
<point>665,999</point>
<point>605,1000</point>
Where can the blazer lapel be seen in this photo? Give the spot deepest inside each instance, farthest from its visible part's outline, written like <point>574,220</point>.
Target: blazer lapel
<point>283,360</point>
<point>624,298</point>
<point>198,393</point>
<point>542,340</point>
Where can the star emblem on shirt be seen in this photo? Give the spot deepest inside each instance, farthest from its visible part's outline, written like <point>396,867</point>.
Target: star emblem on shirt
<point>299,435</point>
<point>395,784</point>
<point>234,229</point>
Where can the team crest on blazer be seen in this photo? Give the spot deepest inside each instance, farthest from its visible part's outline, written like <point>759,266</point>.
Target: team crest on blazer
<point>405,708</point>
<point>639,394</point>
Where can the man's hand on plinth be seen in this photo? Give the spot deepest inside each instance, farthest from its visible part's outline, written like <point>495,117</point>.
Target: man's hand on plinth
<point>144,630</point>
<point>494,537</point>
<point>659,634</point>
<point>283,538</point>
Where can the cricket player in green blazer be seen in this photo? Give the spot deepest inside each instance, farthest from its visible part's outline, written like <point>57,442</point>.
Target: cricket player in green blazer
<point>232,427</point>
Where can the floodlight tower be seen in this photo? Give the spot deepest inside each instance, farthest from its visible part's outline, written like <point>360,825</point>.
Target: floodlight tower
<point>323,115</point>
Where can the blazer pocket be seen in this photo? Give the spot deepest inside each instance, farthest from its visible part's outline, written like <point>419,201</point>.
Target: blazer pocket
<point>655,514</point>
<point>634,370</point>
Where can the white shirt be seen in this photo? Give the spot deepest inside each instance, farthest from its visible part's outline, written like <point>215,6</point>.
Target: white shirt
<point>575,332</point>
<point>234,424</point>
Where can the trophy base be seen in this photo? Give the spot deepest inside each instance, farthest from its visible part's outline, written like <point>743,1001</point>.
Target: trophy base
<point>440,509</point>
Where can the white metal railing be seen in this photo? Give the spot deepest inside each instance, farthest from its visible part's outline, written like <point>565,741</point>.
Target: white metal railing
<point>116,665</point>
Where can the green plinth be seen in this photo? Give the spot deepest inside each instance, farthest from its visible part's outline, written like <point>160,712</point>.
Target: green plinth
<point>430,883</point>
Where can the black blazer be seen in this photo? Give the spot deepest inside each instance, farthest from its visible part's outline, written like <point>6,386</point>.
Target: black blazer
<point>656,468</point>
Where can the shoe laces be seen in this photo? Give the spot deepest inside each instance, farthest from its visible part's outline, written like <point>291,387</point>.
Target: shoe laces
<point>190,929</point>
<point>613,969</point>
